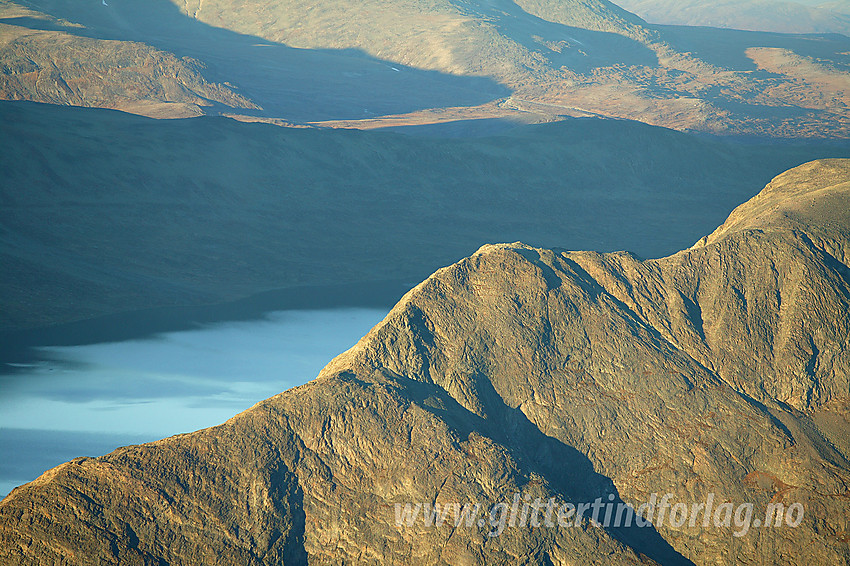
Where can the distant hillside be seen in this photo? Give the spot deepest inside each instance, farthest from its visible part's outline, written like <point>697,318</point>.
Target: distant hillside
<point>105,212</point>
<point>412,62</point>
<point>719,374</point>
<point>757,15</point>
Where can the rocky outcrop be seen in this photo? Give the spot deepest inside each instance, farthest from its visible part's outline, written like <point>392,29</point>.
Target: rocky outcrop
<point>718,373</point>
<point>54,61</point>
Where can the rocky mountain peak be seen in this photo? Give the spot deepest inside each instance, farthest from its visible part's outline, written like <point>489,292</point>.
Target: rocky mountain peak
<point>719,373</point>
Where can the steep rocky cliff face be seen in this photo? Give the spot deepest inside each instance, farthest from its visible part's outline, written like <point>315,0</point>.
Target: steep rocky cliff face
<point>721,371</point>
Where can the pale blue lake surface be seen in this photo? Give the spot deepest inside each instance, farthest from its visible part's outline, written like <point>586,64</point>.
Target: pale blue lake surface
<point>88,400</point>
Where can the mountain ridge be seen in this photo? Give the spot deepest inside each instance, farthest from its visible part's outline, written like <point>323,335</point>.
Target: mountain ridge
<point>783,205</point>
<point>516,370</point>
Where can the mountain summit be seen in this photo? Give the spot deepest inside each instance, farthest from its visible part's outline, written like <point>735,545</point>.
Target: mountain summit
<point>719,373</point>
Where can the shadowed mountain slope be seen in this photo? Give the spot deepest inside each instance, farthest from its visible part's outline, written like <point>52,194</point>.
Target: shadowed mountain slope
<point>104,212</point>
<point>560,374</point>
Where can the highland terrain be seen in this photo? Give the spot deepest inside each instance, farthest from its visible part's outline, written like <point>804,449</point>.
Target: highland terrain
<point>168,154</point>
<point>408,62</point>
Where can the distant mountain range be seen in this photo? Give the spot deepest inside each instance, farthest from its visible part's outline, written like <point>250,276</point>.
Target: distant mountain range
<point>409,62</point>
<point>719,373</point>
<point>782,16</point>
